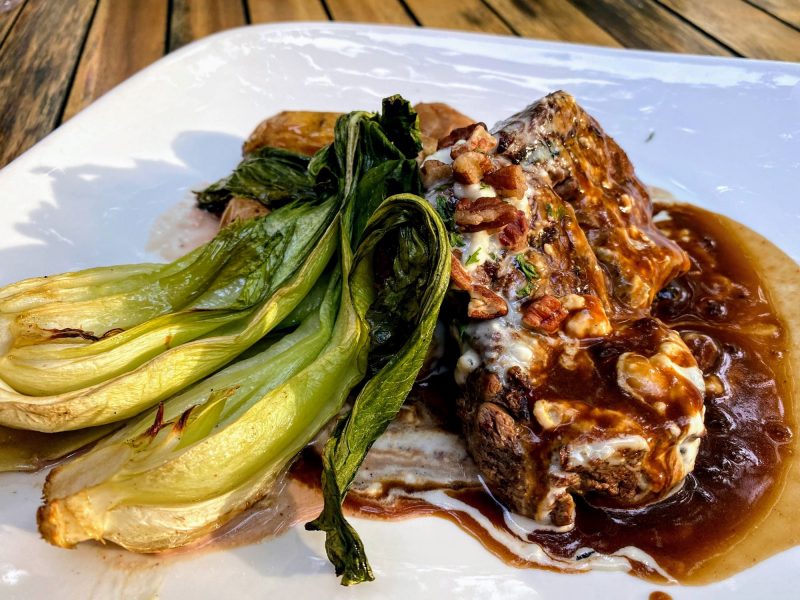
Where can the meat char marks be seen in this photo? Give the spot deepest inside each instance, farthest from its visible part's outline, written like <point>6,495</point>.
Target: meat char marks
<point>587,169</point>
<point>569,385</point>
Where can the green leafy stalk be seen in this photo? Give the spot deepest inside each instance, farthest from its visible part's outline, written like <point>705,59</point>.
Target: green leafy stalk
<point>173,369</point>
<point>207,453</point>
<point>182,470</point>
<point>403,317</point>
<point>254,263</point>
<point>233,271</point>
<point>31,451</point>
<point>270,175</point>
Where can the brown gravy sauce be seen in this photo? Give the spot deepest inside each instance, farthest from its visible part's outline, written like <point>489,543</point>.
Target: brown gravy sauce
<point>727,310</point>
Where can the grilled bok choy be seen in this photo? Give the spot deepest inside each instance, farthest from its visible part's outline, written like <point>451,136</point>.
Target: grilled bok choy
<point>401,318</point>
<point>90,348</point>
<point>180,470</point>
<point>22,450</point>
<point>209,453</point>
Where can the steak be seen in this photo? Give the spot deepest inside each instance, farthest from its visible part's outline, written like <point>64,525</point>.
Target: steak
<point>569,386</point>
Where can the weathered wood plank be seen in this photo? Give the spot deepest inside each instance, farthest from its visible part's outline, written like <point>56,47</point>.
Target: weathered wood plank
<point>370,11</point>
<point>788,10</point>
<point>645,24</point>
<point>269,11</point>
<point>193,19</point>
<point>37,61</point>
<point>552,20</point>
<point>467,15</point>
<point>7,18</point>
<point>126,36</point>
<point>741,26</point>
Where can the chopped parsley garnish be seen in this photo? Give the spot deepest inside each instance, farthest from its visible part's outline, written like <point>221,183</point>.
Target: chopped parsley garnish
<point>456,239</point>
<point>484,186</point>
<point>527,267</point>
<point>473,258</point>
<point>441,206</point>
<point>529,270</point>
<point>555,215</point>
<point>445,211</point>
<point>525,290</point>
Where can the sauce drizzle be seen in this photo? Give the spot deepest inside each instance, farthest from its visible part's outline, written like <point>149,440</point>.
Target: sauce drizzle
<point>723,310</point>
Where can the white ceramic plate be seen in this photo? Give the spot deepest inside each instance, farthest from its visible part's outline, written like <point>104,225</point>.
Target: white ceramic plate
<point>722,133</point>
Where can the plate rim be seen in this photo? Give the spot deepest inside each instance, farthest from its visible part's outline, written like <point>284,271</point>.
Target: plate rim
<point>308,27</point>
<point>410,30</point>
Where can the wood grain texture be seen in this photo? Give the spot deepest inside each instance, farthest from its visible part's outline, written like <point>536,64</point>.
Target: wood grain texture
<point>41,40</point>
<point>37,61</point>
<point>763,36</point>
<point>556,20</point>
<point>788,10</point>
<point>194,19</point>
<point>126,36</point>
<point>370,11</point>
<point>7,18</point>
<point>647,25</point>
<point>270,11</point>
<point>465,15</point>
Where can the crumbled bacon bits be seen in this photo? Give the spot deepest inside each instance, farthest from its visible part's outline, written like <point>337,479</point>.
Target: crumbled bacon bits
<point>483,213</point>
<point>544,314</point>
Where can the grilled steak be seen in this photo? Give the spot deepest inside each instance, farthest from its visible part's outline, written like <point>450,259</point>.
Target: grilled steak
<point>569,386</point>
<point>587,168</point>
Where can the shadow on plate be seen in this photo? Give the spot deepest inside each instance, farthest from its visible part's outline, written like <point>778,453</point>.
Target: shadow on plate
<point>102,215</point>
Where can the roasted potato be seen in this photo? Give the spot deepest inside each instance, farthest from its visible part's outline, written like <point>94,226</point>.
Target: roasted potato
<point>298,130</point>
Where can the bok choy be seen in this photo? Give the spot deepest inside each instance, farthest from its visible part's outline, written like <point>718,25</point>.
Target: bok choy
<point>182,469</point>
<point>271,176</point>
<point>22,450</point>
<point>78,352</point>
<point>89,348</point>
<point>406,305</point>
<point>207,454</point>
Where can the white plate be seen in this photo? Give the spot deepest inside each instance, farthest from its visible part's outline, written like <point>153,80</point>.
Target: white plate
<point>722,133</point>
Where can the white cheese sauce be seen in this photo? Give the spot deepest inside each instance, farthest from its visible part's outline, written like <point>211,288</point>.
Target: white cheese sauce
<point>497,344</point>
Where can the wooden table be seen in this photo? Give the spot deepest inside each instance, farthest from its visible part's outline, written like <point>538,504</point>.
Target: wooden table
<point>58,56</point>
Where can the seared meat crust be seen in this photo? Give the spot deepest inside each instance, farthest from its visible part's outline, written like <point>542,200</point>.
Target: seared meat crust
<point>572,387</point>
<point>587,169</point>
